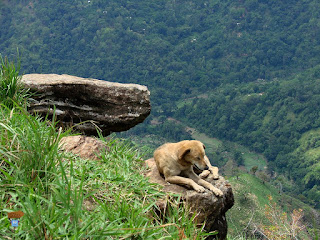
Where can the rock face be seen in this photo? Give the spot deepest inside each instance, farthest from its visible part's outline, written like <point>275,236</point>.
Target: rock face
<point>208,207</point>
<point>110,107</point>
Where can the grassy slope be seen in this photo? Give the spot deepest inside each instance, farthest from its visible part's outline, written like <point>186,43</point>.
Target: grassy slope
<point>66,197</point>
<point>252,201</point>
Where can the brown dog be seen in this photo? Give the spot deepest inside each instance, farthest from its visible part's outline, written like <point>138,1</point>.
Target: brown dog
<point>176,161</point>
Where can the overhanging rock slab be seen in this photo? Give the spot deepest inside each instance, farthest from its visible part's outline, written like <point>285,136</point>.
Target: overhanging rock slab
<point>112,107</point>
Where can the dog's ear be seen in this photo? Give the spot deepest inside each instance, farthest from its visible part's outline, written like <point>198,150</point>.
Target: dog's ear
<point>183,152</point>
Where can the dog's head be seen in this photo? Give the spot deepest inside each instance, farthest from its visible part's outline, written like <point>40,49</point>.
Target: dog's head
<point>193,152</point>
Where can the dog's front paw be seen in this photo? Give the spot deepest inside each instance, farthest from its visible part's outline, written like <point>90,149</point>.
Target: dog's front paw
<point>217,192</point>
<point>204,174</point>
<point>199,189</point>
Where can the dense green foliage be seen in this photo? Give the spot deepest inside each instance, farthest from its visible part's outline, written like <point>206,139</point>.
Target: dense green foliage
<point>246,71</point>
<point>186,46</point>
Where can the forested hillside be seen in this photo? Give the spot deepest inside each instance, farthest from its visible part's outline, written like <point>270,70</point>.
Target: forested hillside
<point>184,45</point>
<point>247,71</point>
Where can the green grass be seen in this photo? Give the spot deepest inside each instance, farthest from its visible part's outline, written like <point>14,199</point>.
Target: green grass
<point>11,89</point>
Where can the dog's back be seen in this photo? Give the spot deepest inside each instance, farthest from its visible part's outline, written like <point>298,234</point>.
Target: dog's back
<point>165,155</point>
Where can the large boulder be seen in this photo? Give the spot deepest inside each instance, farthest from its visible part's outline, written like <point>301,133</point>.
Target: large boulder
<point>96,104</point>
<point>209,209</point>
